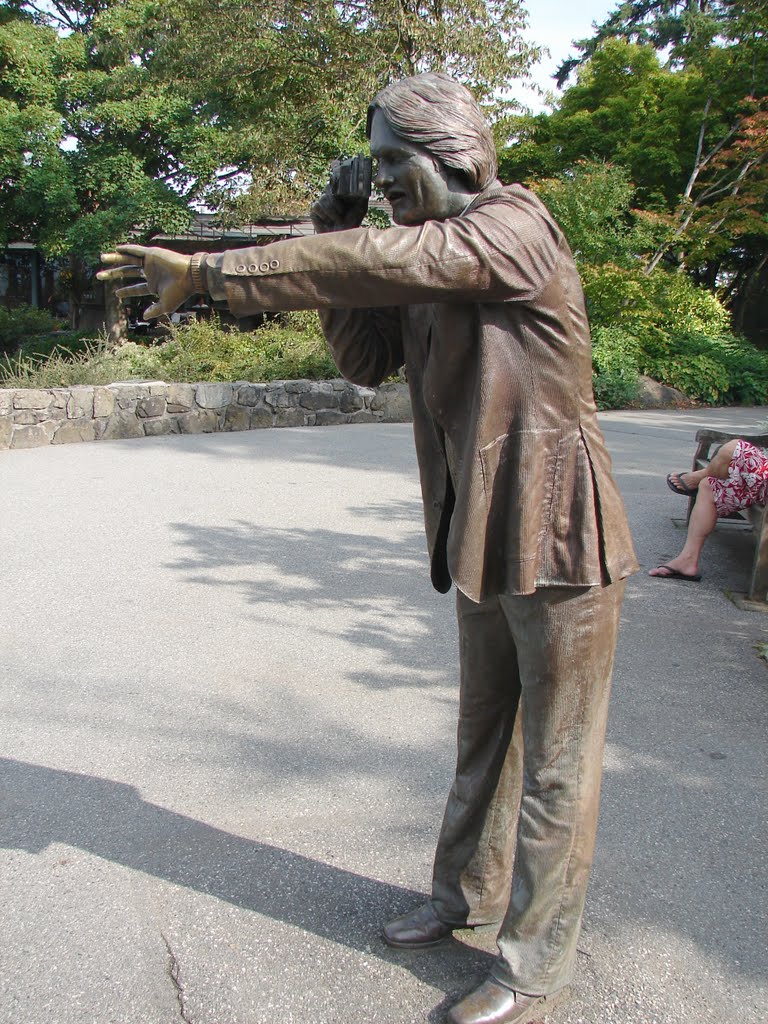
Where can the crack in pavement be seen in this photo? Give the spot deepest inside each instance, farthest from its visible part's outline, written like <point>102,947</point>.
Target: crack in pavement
<point>174,973</point>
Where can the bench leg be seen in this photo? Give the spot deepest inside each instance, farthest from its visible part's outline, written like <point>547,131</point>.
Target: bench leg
<point>758,588</point>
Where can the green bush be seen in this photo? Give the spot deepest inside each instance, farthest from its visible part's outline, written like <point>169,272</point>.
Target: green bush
<point>64,342</point>
<point>646,305</point>
<point>615,376</point>
<point>96,364</point>
<point>719,370</point>
<point>679,337</point>
<point>290,347</point>
<point>21,324</point>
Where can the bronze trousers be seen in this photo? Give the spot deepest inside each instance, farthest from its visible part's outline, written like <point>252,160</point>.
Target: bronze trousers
<point>518,835</point>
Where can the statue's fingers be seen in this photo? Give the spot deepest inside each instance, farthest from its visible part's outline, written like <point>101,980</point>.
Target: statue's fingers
<point>132,290</point>
<point>120,272</point>
<point>155,310</point>
<point>121,259</point>
<point>133,250</point>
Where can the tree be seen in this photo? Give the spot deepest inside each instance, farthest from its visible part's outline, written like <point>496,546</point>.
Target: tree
<point>286,86</point>
<point>123,115</point>
<point>676,93</point>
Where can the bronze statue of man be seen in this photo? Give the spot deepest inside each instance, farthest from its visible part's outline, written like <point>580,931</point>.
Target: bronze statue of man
<point>475,290</point>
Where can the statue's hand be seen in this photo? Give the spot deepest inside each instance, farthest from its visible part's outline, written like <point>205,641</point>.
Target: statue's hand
<point>165,274</point>
<point>329,213</point>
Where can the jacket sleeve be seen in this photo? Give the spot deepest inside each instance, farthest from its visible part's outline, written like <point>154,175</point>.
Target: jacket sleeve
<point>505,249</point>
<point>366,344</point>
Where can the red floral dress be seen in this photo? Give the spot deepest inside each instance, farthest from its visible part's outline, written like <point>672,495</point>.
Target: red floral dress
<point>747,481</point>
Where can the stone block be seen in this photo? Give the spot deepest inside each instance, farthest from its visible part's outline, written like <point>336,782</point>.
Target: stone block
<point>31,399</point>
<point>149,408</point>
<point>161,427</point>
<point>351,400</point>
<point>321,399</point>
<point>393,400</point>
<point>126,393</point>
<point>32,436</point>
<point>6,432</point>
<point>199,421</point>
<point>280,399</point>
<point>75,430</point>
<point>121,424</point>
<point>103,402</point>
<point>213,396</point>
<point>26,416</point>
<point>251,394</point>
<point>6,400</point>
<point>290,418</point>
<point>237,417</point>
<point>363,416</point>
<point>298,387</point>
<point>330,418</point>
<point>180,397</point>
<point>262,417</point>
<point>80,403</point>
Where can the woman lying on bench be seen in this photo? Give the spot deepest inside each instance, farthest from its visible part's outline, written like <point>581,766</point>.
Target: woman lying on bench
<point>736,477</point>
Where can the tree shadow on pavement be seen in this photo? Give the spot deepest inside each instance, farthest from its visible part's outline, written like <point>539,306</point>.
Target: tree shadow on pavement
<point>370,591</point>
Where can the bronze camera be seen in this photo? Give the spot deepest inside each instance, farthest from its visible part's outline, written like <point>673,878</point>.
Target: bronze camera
<point>351,178</point>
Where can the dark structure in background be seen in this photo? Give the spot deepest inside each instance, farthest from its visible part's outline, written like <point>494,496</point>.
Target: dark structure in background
<point>27,278</point>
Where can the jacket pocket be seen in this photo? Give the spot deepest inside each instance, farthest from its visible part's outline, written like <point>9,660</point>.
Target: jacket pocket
<point>519,470</point>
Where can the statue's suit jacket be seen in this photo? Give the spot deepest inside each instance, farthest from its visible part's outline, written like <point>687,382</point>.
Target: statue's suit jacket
<point>487,313</point>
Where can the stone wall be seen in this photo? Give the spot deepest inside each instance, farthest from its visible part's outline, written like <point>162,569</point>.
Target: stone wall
<point>29,418</point>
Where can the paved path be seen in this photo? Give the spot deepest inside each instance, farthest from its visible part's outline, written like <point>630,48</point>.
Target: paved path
<point>227,708</point>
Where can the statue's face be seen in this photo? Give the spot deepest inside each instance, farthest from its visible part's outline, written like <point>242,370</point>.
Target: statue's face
<point>416,184</point>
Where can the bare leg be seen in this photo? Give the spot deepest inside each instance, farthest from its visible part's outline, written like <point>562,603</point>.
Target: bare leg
<point>700,525</point>
<point>718,466</point>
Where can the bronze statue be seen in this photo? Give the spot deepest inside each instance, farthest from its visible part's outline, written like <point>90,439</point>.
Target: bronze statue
<point>476,292</point>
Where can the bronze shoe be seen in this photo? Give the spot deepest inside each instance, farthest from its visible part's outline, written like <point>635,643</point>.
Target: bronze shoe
<point>419,929</point>
<point>492,1003</point>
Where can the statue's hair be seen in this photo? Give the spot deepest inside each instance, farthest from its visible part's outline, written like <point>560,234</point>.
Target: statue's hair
<point>437,112</point>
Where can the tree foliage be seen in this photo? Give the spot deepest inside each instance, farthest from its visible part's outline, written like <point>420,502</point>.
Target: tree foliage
<point>164,106</point>
<point>676,93</point>
<point>120,117</point>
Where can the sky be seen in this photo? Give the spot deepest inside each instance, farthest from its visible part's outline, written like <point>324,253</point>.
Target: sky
<point>554,24</point>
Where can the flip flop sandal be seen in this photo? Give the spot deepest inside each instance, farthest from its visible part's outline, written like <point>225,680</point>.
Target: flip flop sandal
<point>678,486</point>
<point>674,574</point>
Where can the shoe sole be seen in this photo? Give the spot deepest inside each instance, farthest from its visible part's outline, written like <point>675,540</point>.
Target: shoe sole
<point>415,945</point>
<point>543,1006</point>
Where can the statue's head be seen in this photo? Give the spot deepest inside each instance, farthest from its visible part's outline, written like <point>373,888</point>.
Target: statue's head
<point>433,147</point>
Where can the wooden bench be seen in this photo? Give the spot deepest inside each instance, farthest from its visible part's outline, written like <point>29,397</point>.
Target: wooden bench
<point>755,515</point>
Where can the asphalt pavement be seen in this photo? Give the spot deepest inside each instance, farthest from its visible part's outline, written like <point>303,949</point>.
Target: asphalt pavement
<point>227,717</point>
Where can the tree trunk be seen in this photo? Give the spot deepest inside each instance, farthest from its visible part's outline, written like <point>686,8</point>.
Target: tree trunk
<point>116,318</point>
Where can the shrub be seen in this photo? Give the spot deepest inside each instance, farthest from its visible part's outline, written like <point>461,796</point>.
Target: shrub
<point>679,337</point>
<point>96,364</point>
<point>716,370</point>
<point>290,347</point>
<point>64,342</point>
<point>615,375</point>
<point>21,324</point>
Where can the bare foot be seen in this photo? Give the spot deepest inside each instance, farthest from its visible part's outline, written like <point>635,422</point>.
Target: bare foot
<point>676,568</point>
<point>682,479</point>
